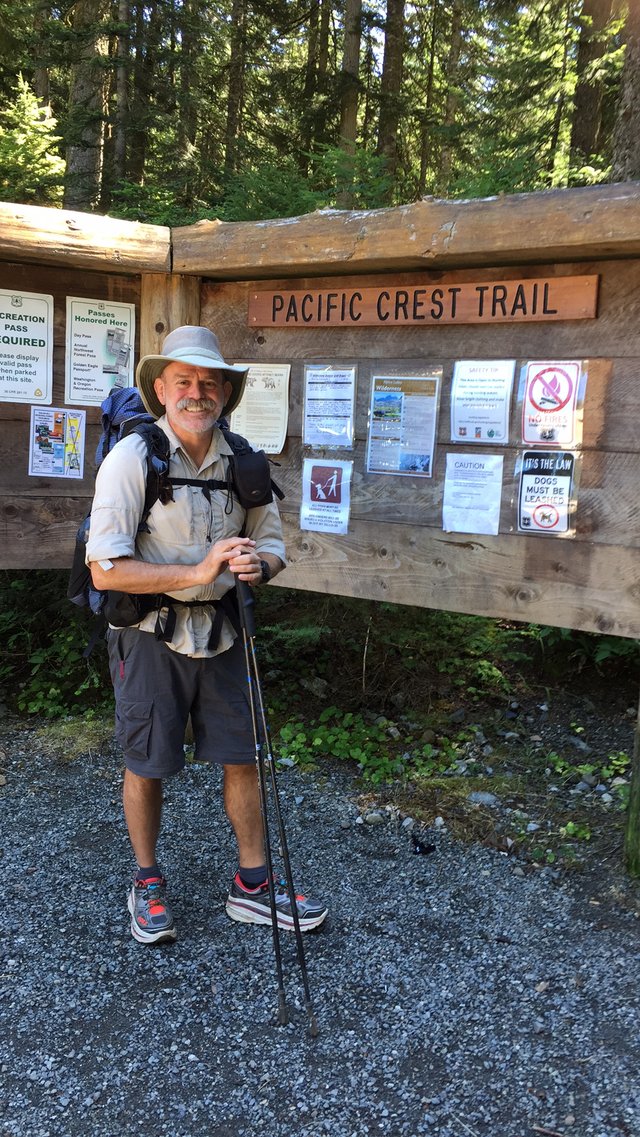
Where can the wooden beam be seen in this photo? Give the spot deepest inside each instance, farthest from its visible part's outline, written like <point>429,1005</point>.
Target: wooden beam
<point>554,225</point>
<point>166,302</point>
<point>44,236</point>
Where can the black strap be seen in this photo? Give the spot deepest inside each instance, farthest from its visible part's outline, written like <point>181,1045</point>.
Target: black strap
<point>226,605</point>
<point>205,484</point>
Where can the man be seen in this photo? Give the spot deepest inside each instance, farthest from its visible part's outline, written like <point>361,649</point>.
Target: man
<point>191,553</point>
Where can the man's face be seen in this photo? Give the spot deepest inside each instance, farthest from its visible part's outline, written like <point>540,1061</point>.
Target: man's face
<point>193,397</point>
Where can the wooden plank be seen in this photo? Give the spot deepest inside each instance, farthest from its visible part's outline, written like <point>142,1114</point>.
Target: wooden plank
<point>517,300</point>
<point>166,302</point>
<point>592,588</point>
<point>615,332</point>
<point>44,236</point>
<point>555,225</point>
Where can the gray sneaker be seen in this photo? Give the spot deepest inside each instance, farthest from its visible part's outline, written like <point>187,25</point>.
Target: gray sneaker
<point>151,918</point>
<point>251,906</point>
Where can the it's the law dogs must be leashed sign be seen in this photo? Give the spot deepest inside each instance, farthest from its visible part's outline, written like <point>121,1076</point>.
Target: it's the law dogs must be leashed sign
<point>489,302</point>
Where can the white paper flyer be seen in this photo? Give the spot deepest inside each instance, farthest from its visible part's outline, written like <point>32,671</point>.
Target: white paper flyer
<point>26,347</point>
<point>546,496</point>
<point>329,394</point>
<point>549,408</point>
<point>99,355</point>
<point>326,495</point>
<point>472,493</point>
<point>480,400</point>
<point>402,424</point>
<point>263,412</point>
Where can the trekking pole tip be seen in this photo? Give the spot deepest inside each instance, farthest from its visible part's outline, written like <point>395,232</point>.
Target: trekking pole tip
<point>283,1014</point>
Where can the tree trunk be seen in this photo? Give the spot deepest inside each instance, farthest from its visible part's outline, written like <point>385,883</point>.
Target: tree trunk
<point>87,110</point>
<point>453,98</point>
<point>122,93</point>
<point>626,135</point>
<point>426,128</point>
<point>587,104</point>
<point>349,79</point>
<point>391,85</point>
<point>144,51</point>
<point>41,84</point>
<point>560,100</point>
<point>235,96</point>
<point>307,116</point>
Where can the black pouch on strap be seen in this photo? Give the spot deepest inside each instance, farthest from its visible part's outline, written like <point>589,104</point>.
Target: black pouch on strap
<point>124,609</point>
<point>251,474</point>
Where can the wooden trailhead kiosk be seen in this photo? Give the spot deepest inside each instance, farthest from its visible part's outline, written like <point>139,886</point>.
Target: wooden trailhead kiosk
<point>456,390</point>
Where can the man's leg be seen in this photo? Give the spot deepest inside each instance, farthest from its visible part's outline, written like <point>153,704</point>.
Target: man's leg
<point>242,807</point>
<point>142,800</point>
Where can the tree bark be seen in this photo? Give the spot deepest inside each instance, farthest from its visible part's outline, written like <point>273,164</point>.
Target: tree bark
<point>87,109</point>
<point>235,95</point>
<point>453,98</point>
<point>587,104</point>
<point>122,93</point>
<point>349,96</point>
<point>391,85</point>
<point>626,135</point>
<point>426,128</point>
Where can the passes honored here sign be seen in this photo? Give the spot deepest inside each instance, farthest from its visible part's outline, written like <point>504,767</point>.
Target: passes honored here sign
<point>464,302</point>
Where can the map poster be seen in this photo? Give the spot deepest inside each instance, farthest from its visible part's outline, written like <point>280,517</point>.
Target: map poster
<point>263,411</point>
<point>402,423</point>
<point>551,410</point>
<point>326,495</point>
<point>26,347</point>
<point>56,447</point>
<point>99,355</point>
<point>546,495</point>
<point>480,400</point>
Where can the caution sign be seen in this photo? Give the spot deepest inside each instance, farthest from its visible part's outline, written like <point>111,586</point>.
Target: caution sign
<point>550,403</point>
<point>546,497</point>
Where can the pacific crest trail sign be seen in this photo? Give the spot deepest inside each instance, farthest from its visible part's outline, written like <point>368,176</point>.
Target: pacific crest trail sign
<point>494,302</point>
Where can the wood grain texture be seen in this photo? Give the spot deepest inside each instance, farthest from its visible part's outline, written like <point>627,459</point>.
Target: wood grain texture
<point>44,236</point>
<point>167,301</point>
<point>595,589</point>
<point>555,225</point>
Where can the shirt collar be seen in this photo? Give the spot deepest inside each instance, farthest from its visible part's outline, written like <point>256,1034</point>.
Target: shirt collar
<point>218,446</point>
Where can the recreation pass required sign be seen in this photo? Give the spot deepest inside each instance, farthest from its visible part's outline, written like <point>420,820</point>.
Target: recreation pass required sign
<point>486,302</point>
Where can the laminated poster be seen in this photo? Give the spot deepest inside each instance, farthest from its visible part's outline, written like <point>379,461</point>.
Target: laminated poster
<point>329,395</point>
<point>402,424</point>
<point>551,414</point>
<point>472,493</point>
<point>480,400</point>
<point>26,347</point>
<point>263,412</point>
<point>326,495</point>
<point>100,343</point>
<point>56,443</point>
<point>546,496</point>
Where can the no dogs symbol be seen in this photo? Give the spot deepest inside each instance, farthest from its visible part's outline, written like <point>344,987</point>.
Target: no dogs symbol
<point>545,516</point>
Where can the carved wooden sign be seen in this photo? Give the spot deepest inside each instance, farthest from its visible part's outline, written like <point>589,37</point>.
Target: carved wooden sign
<point>489,302</point>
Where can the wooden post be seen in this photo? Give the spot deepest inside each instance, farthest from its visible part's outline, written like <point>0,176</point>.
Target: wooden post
<point>632,832</point>
<point>166,302</point>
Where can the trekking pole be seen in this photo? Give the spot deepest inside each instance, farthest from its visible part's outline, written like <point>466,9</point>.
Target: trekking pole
<point>264,754</point>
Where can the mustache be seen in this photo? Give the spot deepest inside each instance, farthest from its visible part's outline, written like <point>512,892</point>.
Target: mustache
<point>187,404</point>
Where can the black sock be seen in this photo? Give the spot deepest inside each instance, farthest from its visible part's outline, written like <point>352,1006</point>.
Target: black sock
<point>148,874</point>
<point>252,878</point>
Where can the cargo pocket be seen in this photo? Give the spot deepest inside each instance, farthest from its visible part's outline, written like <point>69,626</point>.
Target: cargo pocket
<point>133,728</point>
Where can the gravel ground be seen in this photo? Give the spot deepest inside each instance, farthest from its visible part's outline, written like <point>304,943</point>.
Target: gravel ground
<point>454,998</point>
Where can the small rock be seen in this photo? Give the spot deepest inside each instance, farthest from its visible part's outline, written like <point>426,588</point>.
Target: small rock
<point>373,818</point>
<point>407,823</point>
<point>583,787</point>
<point>393,732</point>
<point>428,736</point>
<point>316,686</point>
<point>487,750</point>
<point>288,762</point>
<point>601,788</point>
<point>532,827</point>
<point>458,716</point>
<point>299,798</point>
<point>590,779</point>
<point>607,798</point>
<point>579,744</point>
<point>482,797</point>
<point>620,782</point>
<point>439,822</point>
<point>511,736</point>
<point>346,824</point>
<point>517,871</point>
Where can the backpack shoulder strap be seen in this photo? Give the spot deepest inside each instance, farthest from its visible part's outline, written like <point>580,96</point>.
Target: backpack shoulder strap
<point>158,452</point>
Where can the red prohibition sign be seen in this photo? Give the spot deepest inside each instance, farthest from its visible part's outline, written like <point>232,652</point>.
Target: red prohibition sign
<point>550,388</point>
<point>546,516</point>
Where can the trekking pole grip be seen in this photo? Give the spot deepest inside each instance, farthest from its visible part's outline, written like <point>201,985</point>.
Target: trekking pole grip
<point>246,607</point>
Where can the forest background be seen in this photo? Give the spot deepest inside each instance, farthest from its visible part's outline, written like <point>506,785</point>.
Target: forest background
<point>173,110</point>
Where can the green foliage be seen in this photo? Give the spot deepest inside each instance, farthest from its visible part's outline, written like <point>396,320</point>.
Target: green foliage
<point>43,637</point>
<point>31,170</point>
<point>271,189</point>
<point>584,649</point>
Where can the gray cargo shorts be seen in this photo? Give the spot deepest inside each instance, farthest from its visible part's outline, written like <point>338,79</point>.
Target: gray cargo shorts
<point>157,689</point>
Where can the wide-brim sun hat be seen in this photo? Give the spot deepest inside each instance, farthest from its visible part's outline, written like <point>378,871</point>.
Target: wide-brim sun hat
<point>197,346</point>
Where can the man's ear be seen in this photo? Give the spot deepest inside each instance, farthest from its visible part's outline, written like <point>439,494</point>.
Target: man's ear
<point>227,387</point>
<point>158,386</point>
